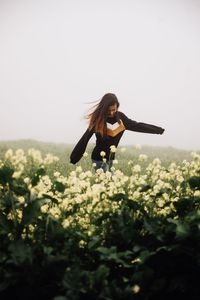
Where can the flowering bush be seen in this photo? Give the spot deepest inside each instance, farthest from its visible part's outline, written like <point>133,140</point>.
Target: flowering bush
<point>98,235</point>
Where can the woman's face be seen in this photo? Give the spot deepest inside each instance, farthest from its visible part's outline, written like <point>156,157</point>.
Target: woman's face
<point>112,110</point>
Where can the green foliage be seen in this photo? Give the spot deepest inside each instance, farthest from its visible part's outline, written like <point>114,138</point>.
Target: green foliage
<point>6,173</point>
<point>194,182</point>
<point>127,251</point>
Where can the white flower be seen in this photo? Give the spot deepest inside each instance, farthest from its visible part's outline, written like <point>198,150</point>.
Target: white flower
<point>8,154</point>
<point>49,159</point>
<point>102,153</point>
<point>161,202</point>
<point>156,161</point>
<point>136,194</point>
<point>180,178</point>
<point>73,173</point>
<point>21,199</point>
<point>79,169</point>
<point>113,149</point>
<point>82,175</point>
<point>136,169</point>
<point>55,212</point>
<point>36,155</point>
<point>172,165</point>
<point>165,196</point>
<point>143,157</point>
<point>85,154</point>
<point>56,174</point>
<point>65,223</point>
<point>197,193</point>
<point>136,289</point>
<point>82,243</point>
<point>112,169</point>
<point>44,208</point>
<point>16,174</point>
<point>195,155</point>
<point>88,174</point>
<point>19,152</point>
<point>27,180</point>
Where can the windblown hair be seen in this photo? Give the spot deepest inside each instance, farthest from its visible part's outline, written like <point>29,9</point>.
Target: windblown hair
<point>97,118</point>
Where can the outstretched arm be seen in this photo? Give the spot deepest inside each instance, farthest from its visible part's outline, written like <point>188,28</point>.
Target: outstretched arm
<point>140,127</point>
<point>80,147</point>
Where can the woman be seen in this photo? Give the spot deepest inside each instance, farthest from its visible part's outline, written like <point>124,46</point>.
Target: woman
<point>108,124</point>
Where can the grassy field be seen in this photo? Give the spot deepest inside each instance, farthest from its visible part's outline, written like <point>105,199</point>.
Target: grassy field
<point>166,154</point>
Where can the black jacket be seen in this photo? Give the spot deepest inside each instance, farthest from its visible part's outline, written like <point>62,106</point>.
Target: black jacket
<point>114,134</point>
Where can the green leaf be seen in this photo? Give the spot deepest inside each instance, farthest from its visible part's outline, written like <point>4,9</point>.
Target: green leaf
<point>182,230</point>
<point>19,189</point>
<point>119,197</point>
<point>5,224</point>
<point>59,186</point>
<point>31,212</point>
<point>102,272</point>
<point>6,173</point>
<point>144,255</point>
<point>21,253</point>
<point>133,204</point>
<point>94,242</point>
<point>53,199</point>
<point>145,187</point>
<point>35,179</point>
<point>194,182</point>
<point>183,206</point>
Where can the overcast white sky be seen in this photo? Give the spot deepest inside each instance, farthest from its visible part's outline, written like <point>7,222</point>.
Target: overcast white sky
<point>56,55</point>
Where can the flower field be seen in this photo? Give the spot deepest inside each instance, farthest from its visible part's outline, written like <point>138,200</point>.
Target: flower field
<point>132,233</point>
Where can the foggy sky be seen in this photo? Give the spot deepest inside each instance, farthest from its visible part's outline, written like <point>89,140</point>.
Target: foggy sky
<point>58,55</point>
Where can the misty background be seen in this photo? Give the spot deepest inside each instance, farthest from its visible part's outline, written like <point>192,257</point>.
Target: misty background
<point>58,55</point>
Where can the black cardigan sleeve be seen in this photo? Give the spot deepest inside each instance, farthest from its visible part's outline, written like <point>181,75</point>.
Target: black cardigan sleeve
<point>80,147</point>
<point>140,127</point>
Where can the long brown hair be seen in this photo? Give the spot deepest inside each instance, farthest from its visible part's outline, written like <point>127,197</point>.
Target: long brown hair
<point>97,118</point>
